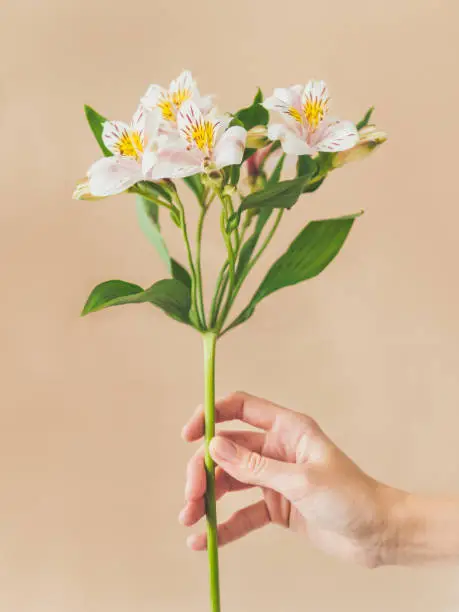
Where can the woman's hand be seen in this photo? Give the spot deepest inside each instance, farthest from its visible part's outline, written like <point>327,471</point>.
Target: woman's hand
<point>308,484</point>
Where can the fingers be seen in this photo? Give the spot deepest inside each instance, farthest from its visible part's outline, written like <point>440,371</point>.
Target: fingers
<point>196,474</point>
<point>241,406</point>
<point>237,526</point>
<point>194,510</point>
<point>246,465</point>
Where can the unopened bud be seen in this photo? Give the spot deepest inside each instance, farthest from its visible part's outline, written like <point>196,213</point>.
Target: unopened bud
<point>82,191</point>
<point>370,138</point>
<point>257,137</point>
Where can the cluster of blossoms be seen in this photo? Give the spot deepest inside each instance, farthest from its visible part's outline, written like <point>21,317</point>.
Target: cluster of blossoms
<point>176,133</point>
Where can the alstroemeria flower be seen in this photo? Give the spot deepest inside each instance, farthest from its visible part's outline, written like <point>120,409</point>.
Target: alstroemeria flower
<point>205,142</point>
<point>307,128</point>
<point>169,101</point>
<point>134,149</point>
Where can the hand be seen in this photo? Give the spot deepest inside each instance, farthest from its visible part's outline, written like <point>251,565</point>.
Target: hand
<point>309,485</point>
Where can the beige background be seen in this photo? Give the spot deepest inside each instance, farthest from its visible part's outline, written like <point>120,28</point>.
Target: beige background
<point>92,464</point>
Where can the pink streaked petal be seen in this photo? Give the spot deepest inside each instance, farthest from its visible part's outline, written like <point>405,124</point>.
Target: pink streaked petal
<point>292,142</point>
<point>183,82</point>
<point>283,99</point>
<point>316,90</point>
<point>230,147</point>
<point>138,120</point>
<point>152,96</point>
<point>113,175</point>
<point>177,163</point>
<point>112,133</point>
<point>338,136</point>
<point>188,116</point>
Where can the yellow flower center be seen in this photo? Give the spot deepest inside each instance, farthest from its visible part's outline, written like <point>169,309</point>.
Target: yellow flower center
<point>314,111</point>
<point>201,134</point>
<point>171,102</point>
<point>293,112</point>
<point>130,144</point>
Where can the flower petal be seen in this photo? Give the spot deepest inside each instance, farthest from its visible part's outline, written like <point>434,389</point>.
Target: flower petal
<point>112,133</point>
<point>291,141</point>
<point>230,147</point>
<point>188,116</point>
<point>316,90</point>
<point>152,96</point>
<point>338,136</point>
<point>112,175</point>
<point>138,120</point>
<point>177,163</point>
<point>183,82</point>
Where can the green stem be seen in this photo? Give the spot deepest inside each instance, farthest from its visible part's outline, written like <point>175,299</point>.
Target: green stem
<point>231,264</point>
<point>183,227</point>
<point>199,284</point>
<point>210,341</point>
<point>222,281</point>
<point>249,266</point>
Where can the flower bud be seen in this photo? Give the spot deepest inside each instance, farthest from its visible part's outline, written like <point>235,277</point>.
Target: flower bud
<point>82,191</point>
<point>257,137</point>
<point>370,138</point>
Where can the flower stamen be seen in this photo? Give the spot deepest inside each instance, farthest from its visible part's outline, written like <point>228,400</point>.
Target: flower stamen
<point>130,144</point>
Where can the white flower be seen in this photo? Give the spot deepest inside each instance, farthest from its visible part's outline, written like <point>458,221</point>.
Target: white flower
<point>307,128</point>
<point>370,137</point>
<point>205,142</point>
<point>134,149</point>
<point>169,101</point>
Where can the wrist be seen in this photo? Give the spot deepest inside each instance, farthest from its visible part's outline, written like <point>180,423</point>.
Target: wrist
<point>397,524</point>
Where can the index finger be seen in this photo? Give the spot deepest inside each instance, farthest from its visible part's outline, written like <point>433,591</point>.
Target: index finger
<point>237,406</point>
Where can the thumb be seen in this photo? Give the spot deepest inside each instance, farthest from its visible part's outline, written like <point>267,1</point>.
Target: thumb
<point>255,469</point>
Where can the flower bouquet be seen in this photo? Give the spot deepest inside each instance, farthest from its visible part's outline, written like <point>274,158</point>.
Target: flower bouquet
<point>235,162</point>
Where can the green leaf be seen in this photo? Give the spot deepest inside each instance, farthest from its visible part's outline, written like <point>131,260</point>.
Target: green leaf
<point>255,114</point>
<point>170,295</point>
<point>195,184</point>
<point>308,255</point>
<point>148,216</point>
<point>366,120</point>
<point>306,166</point>
<point>96,123</point>
<point>278,195</point>
<point>276,174</point>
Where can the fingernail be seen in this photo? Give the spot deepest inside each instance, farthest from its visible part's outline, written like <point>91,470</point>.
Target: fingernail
<point>224,449</point>
<point>181,517</point>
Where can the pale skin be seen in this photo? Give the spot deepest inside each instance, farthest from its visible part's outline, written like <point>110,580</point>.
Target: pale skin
<point>310,486</point>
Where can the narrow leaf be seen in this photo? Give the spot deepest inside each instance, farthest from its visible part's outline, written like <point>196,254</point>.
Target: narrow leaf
<point>366,120</point>
<point>309,254</point>
<point>96,123</point>
<point>148,216</point>
<point>276,174</point>
<point>170,295</point>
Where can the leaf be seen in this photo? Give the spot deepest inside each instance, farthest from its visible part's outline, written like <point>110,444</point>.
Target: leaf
<point>366,120</point>
<point>96,123</point>
<point>255,114</point>
<point>195,184</point>
<point>148,216</point>
<point>315,170</point>
<point>278,195</point>
<point>306,166</point>
<point>170,295</point>
<point>276,173</point>
<point>309,254</point>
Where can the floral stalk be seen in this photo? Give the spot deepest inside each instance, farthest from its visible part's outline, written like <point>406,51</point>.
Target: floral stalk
<point>210,341</point>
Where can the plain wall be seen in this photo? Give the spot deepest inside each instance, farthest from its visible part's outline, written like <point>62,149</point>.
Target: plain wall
<point>91,460</point>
